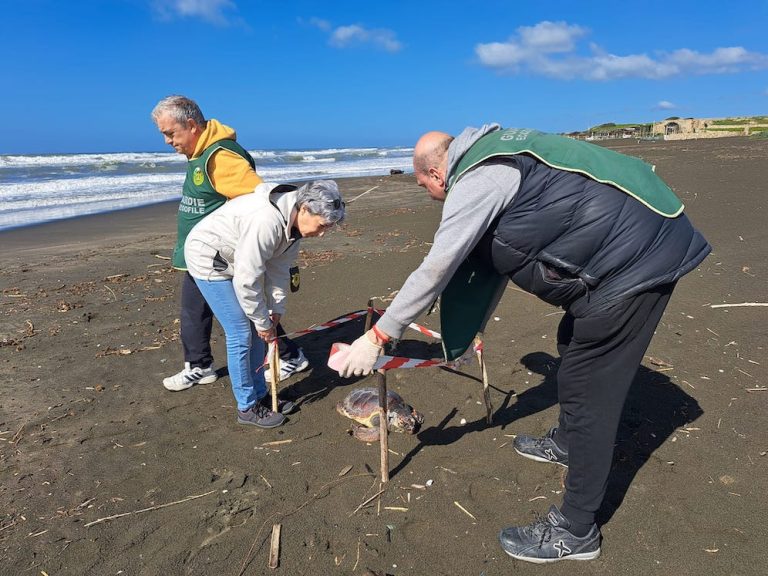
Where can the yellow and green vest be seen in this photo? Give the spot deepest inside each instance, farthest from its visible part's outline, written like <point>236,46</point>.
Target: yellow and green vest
<point>198,196</point>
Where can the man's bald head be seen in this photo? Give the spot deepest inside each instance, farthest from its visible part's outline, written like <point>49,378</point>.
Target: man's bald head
<point>430,161</point>
<point>430,151</point>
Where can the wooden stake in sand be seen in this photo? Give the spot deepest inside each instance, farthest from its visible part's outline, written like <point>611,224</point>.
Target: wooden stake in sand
<point>486,388</point>
<point>381,375</point>
<point>369,315</point>
<point>274,367</point>
<point>383,432</point>
<point>274,547</point>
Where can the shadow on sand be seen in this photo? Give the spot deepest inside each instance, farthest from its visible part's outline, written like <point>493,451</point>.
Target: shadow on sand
<point>654,409</point>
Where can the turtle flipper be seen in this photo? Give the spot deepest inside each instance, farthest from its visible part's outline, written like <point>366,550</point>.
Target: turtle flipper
<point>364,433</point>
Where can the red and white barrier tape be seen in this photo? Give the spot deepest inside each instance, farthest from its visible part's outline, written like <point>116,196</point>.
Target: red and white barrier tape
<point>340,350</point>
<point>386,362</point>
<point>329,324</point>
<point>414,326</point>
<point>355,315</point>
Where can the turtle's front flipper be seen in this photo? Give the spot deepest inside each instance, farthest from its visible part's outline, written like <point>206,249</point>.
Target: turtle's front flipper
<point>365,434</point>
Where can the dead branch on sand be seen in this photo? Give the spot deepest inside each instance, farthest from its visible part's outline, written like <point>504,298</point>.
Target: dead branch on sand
<point>187,499</point>
<point>361,195</point>
<point>742,304</point>
<point>274,547</point>
<point>368,501</point>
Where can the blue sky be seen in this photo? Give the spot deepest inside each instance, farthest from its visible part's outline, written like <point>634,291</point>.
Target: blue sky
<point>83,76</point>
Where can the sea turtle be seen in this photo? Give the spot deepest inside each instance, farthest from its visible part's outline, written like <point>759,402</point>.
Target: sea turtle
<point>362,407</point>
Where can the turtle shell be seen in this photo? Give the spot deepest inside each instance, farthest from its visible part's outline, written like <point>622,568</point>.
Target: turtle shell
<point>362,406</point>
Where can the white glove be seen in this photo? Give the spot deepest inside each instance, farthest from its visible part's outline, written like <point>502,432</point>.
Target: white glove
<point>361,357</point>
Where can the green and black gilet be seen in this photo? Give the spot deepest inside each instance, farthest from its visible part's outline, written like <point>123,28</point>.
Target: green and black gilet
<point>198,197</point>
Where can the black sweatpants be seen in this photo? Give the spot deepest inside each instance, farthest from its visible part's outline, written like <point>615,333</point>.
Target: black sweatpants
<point>600,355</point>
<point>196,324</point>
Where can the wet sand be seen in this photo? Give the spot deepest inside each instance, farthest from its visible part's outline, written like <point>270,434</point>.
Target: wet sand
<point>88,329</point>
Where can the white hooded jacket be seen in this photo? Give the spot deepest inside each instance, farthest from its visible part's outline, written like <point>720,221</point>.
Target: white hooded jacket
<point>248,241</point>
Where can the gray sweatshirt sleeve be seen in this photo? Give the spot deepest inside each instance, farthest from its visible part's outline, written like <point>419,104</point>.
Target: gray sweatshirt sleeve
<point>469,209</point>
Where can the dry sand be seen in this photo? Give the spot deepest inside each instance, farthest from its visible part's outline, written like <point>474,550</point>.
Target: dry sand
<point>88,329</point>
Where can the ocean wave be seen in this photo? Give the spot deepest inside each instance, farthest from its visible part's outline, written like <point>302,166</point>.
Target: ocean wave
<point>27,161</point>
<point>40,188</point>
<point>22,195</point>
<point>257,154</point>
<point>313,159</point>
<point>331,151</point>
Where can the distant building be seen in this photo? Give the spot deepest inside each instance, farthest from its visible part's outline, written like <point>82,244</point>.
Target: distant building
<point>678,129</point>
<point>687,128</point>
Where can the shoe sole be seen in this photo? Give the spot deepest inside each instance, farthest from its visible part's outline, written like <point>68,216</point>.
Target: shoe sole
<point>180,388</point>
<point>533,560</point>
<point>288,409</point>
<point>540,459</point>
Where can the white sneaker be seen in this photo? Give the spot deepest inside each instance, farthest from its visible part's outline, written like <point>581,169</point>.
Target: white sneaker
<point>289,367</point>
<point>189,377</point>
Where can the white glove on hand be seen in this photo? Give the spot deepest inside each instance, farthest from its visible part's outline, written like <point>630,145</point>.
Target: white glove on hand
<point>361,357</point>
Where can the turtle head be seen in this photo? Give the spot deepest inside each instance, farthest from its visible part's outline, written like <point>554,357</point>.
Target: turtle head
<point>407,420</point>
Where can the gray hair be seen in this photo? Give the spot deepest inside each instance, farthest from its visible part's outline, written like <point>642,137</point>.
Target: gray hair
<point>322,198</point>
<point>180,108</point>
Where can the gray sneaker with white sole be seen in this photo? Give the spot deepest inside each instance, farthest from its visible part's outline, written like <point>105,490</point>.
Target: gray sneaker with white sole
<point>548,540</point>
<point>261,416</point>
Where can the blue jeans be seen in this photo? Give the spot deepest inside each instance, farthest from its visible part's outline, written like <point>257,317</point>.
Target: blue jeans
<point>245,350</point>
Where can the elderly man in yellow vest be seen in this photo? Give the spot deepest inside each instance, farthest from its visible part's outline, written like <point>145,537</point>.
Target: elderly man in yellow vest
<point>218,170</point>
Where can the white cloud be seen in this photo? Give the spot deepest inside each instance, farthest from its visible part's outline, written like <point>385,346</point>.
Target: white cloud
<point>355,34</point>
<point>549,49</point>
<point>551,36</point>
<point>533,42</point>
<point>324,25</point>
<point>665,105</point>
<point>212,11</point>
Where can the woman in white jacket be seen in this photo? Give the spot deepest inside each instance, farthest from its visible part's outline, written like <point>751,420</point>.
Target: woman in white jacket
<point>240,258</point>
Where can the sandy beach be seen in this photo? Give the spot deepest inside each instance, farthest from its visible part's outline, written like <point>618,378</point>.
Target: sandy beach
<point>103,471</point>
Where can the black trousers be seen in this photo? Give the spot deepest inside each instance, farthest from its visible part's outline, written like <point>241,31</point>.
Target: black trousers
<point>600,355</point>
<point>196,324</point>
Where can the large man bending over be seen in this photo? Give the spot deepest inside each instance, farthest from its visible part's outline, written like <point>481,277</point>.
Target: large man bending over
<point>581,227</point>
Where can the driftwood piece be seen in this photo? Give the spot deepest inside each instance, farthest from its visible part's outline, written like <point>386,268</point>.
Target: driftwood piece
<point>274,547</point>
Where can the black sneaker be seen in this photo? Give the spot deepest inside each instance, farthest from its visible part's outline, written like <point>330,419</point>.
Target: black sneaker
<point>261,416</point>
<point>285,407</point>
<point>548,540</point>
<point>543,449</point>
